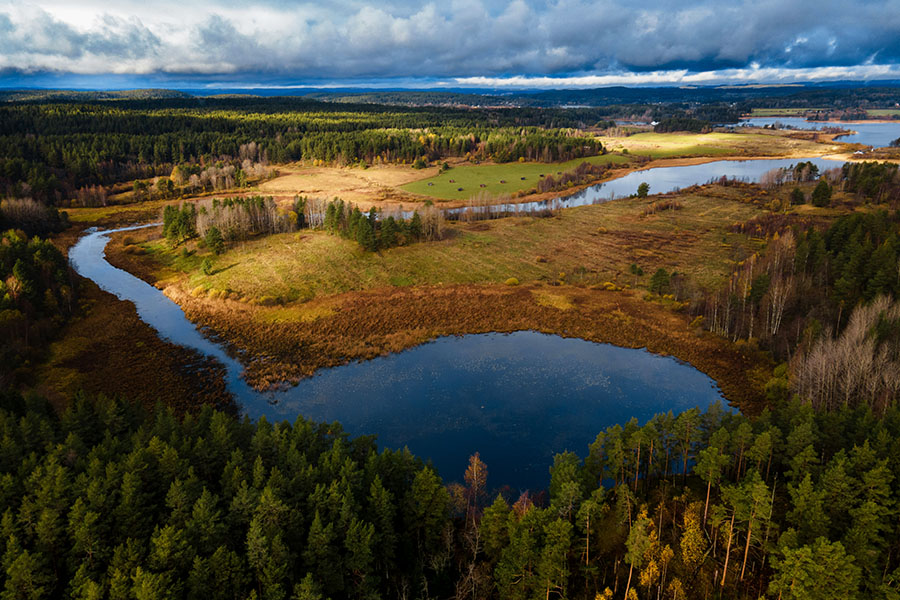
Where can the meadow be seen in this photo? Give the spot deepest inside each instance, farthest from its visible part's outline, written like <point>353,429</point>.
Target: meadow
<point>714,144</point>
<point>883,112</point>
<point>466,180</point>
<point>589,245</point>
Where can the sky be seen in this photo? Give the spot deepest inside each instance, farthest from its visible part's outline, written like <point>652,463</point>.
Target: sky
<point>448,44</point>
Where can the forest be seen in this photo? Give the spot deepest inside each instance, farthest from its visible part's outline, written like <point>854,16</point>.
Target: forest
<point>110,500</point>
<point>819,297</point>
<point>38,294</point>
<point>77,146</point>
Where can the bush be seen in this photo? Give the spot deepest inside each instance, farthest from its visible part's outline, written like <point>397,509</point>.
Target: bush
<point>512,281</point>
<point>643,190</point>
<point>206,266</point>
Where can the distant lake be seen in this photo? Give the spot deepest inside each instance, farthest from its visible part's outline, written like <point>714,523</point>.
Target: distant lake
<point>665,179</point>
<point>877,135</point>
<point>516,398</point>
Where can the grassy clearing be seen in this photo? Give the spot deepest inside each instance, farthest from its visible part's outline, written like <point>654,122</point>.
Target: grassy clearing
<point>354,184</point>
<point>589,245</point>
<point>672,145</point>
<point>517,177</point>
<point>883,112</point>
<point>781,112</point>
<point>118,213</point>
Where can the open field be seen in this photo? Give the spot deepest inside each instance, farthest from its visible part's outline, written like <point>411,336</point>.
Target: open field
<point>756,143</point>
<point>883,112</point>
<point>465,180</point>
<point>377,184</point>
<point>588,245</point>
<point>781,112</point>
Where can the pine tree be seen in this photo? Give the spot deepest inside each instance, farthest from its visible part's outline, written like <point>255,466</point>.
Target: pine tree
<point>553,568</point>
<point>365,236</point>
<point>808,513</point>
<point>821,195</point>
<point>637,544</point>
<point>214,240</point>
<point>821,570</point>
<point>415,226</point>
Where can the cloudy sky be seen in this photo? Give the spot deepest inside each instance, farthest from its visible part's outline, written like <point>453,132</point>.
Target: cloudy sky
<point>451,43</point>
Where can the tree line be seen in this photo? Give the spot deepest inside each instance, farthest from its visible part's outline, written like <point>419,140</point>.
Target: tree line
<point>820,297</point>
<point>51,150</point>
<point>374,233</point>
<point>219,222</point>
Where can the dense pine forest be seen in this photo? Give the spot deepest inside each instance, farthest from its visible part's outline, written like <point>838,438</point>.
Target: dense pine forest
<point>38,293</point>
<point>106,500</point>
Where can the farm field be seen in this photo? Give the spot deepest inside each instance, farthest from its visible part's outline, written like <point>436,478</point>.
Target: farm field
<point>883,112</point>
<point>506,178</point>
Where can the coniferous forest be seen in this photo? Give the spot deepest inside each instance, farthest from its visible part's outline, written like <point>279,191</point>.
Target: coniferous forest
<point>107,500</point>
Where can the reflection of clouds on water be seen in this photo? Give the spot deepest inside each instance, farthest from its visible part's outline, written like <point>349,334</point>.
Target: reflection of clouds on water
<point>517,398</point>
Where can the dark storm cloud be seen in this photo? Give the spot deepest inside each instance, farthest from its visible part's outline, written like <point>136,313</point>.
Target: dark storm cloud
<point>349,39</point>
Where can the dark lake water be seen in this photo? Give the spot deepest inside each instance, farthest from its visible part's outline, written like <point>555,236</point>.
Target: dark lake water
<point>516,398</point>
<point>877,135</point>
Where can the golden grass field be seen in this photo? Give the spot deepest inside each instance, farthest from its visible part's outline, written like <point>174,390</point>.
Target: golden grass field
<point>589,244</point>
<point>753,142</point>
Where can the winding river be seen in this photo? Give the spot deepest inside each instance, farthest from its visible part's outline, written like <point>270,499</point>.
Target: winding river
<point>516,398</point>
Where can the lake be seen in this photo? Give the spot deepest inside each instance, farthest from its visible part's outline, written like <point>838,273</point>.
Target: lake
<point>877,135</point>
<point>516,398</point>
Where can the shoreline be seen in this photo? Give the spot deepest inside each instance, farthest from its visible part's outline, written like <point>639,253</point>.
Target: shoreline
<point>283,344</point>
<point>372,323</point>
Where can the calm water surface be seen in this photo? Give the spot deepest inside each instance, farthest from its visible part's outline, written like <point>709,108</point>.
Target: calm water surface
<point>516,398</point>
<point>666,179</point>
<point>877,135</point>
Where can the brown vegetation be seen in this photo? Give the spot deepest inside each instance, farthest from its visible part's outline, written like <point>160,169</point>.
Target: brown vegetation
<point>363,325</point>
<point>859,366</point>
<point>665,204</point>
<point>107,349</point>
